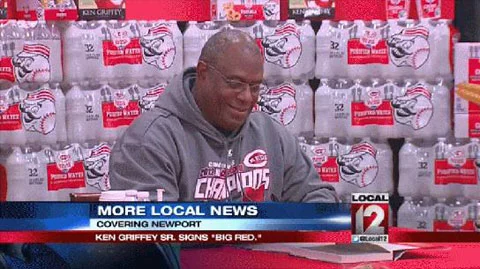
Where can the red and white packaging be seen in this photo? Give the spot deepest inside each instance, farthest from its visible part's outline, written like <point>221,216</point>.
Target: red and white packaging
<point>34,117</point>
<point>467,70</point>
<point>150,92</point>
<point>363,166</point>
<point>122,50</point>
<point>30,52</point>
<point>12,44</point>
<point>51,174</point>
<point>382,109</point>
<point>289,104</point>
<point>102,113</point>
<point>442,170</point>
<point>429,9</point>
<point>11,128</point>
<point>371,109</point>
<point>324,157</point>
<point>245,10</point>
<point>455,215</point>
<point>288,50</point>
<point>54,10</point>
<point>162,49</point>
<point>410,44</point>
<point>397,9</point>
<point>65,171</point>
<point>367,50</point>
<point>96,159</point>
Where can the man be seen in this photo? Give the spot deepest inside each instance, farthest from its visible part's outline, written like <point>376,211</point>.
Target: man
<point>202,142</point>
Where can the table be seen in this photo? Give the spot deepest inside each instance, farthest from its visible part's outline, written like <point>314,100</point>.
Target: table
<point>445,255</point>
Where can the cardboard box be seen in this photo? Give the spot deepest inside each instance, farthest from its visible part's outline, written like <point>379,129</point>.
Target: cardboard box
<point>245,10</point>
<point>467,70</point>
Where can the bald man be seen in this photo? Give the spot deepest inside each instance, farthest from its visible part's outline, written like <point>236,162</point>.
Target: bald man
<point>202,142</point>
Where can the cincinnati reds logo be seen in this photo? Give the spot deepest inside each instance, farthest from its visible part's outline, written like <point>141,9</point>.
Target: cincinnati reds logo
<point>120,100</point>
<point>359,167</point>
<point>32,64</point>
<point>457,218</point>
<point>256,159</point>
<point>457,158</point>
<point>279,103</point>
<point>271,9</point>
<point>38,112</point>
<point>410,47</point>
<point>283,48</point>
<point>147,102</point>
<point>96,166</point>
<point>414,109</point>
<point>158,47</point>
<point>320,155</point>
<point>64,161</point>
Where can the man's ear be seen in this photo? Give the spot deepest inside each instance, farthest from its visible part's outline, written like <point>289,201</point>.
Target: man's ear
<point>202,70</point>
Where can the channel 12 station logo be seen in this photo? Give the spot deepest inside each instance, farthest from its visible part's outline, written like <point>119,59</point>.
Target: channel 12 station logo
<point>369,217</point>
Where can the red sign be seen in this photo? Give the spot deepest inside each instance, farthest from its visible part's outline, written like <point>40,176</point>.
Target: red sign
<point>73,179</point>
<point>6,69</point>
<point>473,78</point>
<point>473,124</point>
<point>445,173</point>
<point>114,117</point>
<point>359,53</point>
<point>60,14</point>
<point>430,9</point>
<point>248,14</point>
<point>363,115</point>
<point>443,226</point>
<point>29,15</point>
<point>328,171</point>
<point>11,120</point>
<point>129,54</point>
<point>397,9</point>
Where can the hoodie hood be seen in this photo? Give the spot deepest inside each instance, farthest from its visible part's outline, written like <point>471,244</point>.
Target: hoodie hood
<point>179,101</point>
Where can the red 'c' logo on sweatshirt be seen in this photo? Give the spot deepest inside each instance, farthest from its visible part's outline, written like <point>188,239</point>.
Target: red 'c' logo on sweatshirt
<point>257,158</point>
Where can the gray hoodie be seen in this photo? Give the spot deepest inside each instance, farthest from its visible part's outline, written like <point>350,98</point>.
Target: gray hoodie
<point>174,148</point>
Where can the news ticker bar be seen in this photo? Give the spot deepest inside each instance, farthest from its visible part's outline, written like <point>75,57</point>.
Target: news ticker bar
<point>19,216</point>
<point>216,237</point>
<point>225,237</point>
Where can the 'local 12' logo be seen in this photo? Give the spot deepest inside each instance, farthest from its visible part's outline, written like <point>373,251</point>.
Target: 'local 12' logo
<point>369,217</point>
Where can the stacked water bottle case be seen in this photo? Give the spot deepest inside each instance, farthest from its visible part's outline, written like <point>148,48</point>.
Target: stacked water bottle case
<point>378,80</point>
<point>57,141</point>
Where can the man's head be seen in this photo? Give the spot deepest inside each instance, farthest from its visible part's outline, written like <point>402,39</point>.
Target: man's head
<point>228,76</point>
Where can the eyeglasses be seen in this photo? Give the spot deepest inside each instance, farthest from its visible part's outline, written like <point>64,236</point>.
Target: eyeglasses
<point>236,85</point>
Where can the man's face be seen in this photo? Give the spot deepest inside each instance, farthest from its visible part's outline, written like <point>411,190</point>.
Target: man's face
<point>227,105</point>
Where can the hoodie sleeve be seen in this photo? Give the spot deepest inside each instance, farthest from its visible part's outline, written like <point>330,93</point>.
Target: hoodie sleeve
<point>301,181</point>
<point>141,162</point>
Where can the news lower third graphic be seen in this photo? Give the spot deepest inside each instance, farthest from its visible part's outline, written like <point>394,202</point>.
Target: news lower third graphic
<point>170,222</point>
<point>369,217</point>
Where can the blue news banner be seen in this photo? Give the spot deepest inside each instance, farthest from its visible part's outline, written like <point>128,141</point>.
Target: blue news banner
<point>170,222</point>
